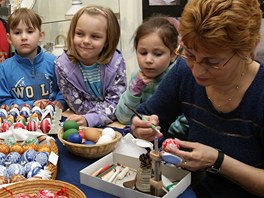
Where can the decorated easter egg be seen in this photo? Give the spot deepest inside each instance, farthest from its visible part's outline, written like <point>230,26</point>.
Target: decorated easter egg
<point>91,134</point>
<point>32,126</point>
<point>2,158</point>
<point>69,132</point>
<point>10,141</point>
<point>31,140</point>
<point>39,104</point>
<point>88,142</point>
<point>14,112</point>
<point>45,125</point>
<point>44,148</point>
<point>37,110</point>
<point>19,125</point>
<point>75,138</point>
<point>31,165</point>
<point>15,168</point>
<point>12,158</point>
<point>2,170</point>
<point>109,131</point>
<point>17,178</point>
<point>4,149</point>
<point>13,106</point>
<point>104,139</point>
<point>17,148</point>
<point>5,126</point>
<point>30,146</point>
<point>3,180</point>
<point>42,158</point>
<point>25,111</point>
<point>5,107</point>
<point>170,144</point>
<point>33,172</point>
<point>22,119</point>
<point>70,124</point>
<point>28,156</point>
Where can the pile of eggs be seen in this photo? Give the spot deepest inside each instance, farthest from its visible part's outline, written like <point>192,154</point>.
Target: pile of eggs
<point>21,161</point>
<point>88,135</point>
<point>25,117</point>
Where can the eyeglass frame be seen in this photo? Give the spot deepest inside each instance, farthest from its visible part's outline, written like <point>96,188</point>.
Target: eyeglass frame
<point>179,53</point>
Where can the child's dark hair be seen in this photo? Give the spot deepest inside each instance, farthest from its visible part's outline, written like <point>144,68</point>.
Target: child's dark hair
<point>163,26</point>
<point>28,16</point>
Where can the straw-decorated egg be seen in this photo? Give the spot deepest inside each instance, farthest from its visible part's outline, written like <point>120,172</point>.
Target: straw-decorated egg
<point>4,149</point>
<point>30,146</point>
<point>17,148</point>
<point>42,158</point>
<point>28,156</point>
<point>12,158</point>
<point>3,180</point>
<point>10,118</point>
<point>17,178</point>
<point>2,158</point>
<point>37,110</point>
<point>39,104</point>
<point>15,168</point>
<point>44,148</point>
<point>22,119</point>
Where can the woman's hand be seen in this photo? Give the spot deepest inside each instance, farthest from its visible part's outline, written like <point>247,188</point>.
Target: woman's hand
<point>81,121</point>
<point>142,128</point>
<point>195,156</point>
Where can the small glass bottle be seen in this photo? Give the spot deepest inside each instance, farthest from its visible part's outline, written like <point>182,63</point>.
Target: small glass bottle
<point>144,173</point>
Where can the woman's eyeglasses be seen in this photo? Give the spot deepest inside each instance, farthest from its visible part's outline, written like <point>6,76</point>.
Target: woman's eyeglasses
<point>204,63</point>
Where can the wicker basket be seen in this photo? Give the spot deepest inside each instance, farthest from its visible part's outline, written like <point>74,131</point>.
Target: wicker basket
<point>90,151</point>
<point>52,167</point>
<point>34,186</point>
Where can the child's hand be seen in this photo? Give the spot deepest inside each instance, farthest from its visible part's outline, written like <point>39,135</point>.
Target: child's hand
<point>79,119</point>
<point>139,83</point>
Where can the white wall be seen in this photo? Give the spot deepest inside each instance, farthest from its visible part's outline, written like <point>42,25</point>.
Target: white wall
<point>130,11</point>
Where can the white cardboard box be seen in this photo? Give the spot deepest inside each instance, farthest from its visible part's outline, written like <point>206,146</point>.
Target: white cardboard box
<point>183,176</point>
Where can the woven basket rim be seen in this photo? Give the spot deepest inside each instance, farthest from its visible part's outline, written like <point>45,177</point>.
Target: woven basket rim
<point>60,133</point>
<point>33,186</point>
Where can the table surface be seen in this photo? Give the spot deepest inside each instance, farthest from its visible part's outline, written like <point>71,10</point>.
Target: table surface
<point>69,167</point>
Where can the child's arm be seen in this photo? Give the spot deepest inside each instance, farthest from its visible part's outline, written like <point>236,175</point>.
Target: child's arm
<point>123,114</point>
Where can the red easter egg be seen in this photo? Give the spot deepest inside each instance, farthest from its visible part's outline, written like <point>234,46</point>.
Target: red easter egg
<point>19,125</point>
<point>170,144</point>
<point>45,125</point>
<point>5,126</point>
<point>81,133</point>
<point>32,126</point>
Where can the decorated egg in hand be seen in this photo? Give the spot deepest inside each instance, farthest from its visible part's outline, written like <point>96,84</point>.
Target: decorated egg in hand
<point>170,144</point>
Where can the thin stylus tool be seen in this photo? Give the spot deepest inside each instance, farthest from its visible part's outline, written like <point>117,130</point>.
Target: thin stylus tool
<point>153,126</point>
